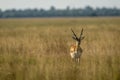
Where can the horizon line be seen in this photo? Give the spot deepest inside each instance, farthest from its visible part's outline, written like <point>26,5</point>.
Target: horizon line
<point>61,8</point>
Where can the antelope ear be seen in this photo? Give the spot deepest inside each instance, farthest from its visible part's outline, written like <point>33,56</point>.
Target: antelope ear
<point>82,38</point>
<point>74,38</point>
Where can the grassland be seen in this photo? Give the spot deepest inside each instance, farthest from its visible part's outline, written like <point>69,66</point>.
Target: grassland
<point>38,49</point>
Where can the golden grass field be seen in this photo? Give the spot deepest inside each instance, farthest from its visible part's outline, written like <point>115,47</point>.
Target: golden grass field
<point>38,49</point>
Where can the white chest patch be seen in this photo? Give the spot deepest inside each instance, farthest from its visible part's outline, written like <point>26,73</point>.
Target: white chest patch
<point>75,54</point>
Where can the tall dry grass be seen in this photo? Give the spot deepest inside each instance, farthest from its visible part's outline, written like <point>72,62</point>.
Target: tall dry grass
<point>38,49</point>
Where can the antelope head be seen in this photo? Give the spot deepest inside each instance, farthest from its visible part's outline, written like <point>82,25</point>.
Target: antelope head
<point>78,39</point>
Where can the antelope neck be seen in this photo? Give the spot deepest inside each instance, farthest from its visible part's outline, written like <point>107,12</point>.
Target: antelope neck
<point>77,45</point>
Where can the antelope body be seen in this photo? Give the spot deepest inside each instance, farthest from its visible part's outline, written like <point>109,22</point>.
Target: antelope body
<point>75,49</point>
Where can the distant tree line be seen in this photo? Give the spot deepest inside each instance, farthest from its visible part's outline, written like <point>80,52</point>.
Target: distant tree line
<point>53,12</point>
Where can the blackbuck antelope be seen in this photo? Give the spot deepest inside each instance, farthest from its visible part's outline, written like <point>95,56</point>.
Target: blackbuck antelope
<point>75,49</point>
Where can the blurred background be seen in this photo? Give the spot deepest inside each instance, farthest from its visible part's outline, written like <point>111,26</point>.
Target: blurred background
<point>58,8</point>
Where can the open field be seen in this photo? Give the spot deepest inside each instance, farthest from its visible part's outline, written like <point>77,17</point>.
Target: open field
<point>38,49</point>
